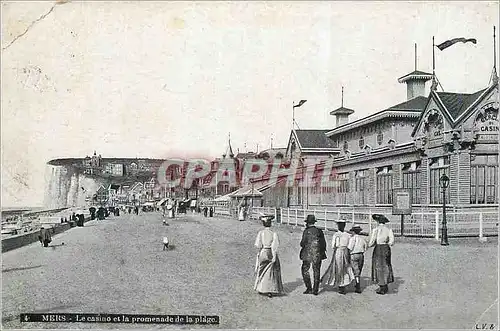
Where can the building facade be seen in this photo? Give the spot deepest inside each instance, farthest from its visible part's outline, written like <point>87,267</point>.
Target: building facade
<point>409,145</point>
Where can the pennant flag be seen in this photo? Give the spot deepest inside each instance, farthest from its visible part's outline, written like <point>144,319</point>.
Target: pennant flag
<point>300,103</point>
<point>453,41</point>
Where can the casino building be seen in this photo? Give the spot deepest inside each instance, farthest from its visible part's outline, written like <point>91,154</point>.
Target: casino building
<point>409,145</point>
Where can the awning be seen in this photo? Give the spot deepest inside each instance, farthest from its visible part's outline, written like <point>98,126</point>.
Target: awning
<point>162,202</point>
<point>247,192</point>
<point>223,198</point>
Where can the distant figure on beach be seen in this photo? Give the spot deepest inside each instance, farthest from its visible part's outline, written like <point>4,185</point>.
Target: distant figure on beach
<point>205,211</point>
<point>165,243</point>
<point>92,211</point>
<point>44,237</point>
<point>267,265</point>
<point>382,238</point>
<point>211,212</point>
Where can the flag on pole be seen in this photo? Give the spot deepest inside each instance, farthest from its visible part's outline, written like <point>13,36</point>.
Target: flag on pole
<point>300,103</point>
<point>453,41</point>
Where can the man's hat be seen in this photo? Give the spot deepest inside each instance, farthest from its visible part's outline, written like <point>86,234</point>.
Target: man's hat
<point>340,221</point>
<point>380,218</point>
<point>310,219</point>
<point>356,228</point>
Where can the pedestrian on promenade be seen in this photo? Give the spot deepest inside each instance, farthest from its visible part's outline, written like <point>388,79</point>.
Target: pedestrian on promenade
<point>44,237</point>
<point>339,272</point>
<point>211,212</point>
<point>357,247</point>
<point>165,243</point>
<point>382,238</point>
<point>205,211</point>
<point>313,252</point>
<point>267,265</point>
<point>242,210</point>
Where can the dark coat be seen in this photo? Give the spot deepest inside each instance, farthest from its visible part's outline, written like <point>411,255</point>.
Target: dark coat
<point>313,245</point>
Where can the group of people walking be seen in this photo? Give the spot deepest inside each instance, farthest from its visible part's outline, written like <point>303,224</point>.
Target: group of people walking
<point>347,258</point>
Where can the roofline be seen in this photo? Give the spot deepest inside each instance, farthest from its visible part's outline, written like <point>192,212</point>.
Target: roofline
<point>372,118</point>
<point>413,76</point>
<point>476,102</point>
<point>447,113</point>
<point>321,150</point>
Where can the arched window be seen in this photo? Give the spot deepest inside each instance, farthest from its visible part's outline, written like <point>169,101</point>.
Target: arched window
<point>380,138</point>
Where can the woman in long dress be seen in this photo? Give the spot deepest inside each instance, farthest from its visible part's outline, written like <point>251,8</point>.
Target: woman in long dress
<point>267,265</point>
<point>339,273</point>
<point>382,238</point>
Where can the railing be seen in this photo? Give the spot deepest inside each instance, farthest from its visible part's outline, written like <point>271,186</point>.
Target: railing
<point>476,223</point>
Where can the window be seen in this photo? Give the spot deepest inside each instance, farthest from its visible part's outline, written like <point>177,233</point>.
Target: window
<point>411,180</point>
<point>380,138</point>
<point>343,188</point>
<point>361,142</point>
<point>438,167</point>
<point>360,187</point>
<point>346,145</point>
<point>335,143</point>
<point>384,185</point>
<point>484,179</point>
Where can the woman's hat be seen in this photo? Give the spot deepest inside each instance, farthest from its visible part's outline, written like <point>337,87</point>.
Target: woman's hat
<point>310,219</point>
<point>266,218</point>
<point>380,218</point>
<point>356,228</point>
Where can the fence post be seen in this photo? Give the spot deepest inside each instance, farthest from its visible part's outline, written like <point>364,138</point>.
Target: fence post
<point>370,221</point>
<point>436,220</point>
<point>325,219</point>
<point>480,225</point>
<point>338,214</point>
<point>288,216</point>
<point>296,219</point>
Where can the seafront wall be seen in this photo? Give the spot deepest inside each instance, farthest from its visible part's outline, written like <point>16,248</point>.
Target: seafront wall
<point>21,240</point>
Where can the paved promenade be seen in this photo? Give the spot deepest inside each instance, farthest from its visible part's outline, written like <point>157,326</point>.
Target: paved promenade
<point>117,266</point>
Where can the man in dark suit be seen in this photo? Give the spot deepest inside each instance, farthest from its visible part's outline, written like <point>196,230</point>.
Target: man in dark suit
<point>312,253</point>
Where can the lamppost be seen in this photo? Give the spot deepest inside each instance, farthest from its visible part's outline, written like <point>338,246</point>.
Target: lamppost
<point>443,182</point>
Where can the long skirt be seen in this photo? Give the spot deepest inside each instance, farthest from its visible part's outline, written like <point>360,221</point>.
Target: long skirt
<point>241,214</point>
<point>268,278</point>
<point>381,265</point>
<point>339,272</point>
<point>357,262</point>
<point>171,213</point>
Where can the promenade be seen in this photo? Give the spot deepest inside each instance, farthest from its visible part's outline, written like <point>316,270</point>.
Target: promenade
<point>117,266</point>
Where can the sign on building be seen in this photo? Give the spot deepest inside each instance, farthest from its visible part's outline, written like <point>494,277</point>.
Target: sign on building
<point>401,202</point>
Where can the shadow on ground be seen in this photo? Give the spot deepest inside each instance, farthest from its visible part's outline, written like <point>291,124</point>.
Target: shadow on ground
<point>21,268</point>
<point>292,286</point>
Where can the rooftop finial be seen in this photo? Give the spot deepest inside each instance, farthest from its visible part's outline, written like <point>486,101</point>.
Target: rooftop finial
<point>342,101</point>
<point>415,56</point>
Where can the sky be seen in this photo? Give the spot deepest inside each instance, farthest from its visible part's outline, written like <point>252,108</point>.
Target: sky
<point>174,79</point>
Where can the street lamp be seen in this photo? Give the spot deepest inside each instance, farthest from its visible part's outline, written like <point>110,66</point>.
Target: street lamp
<point>444,182</point>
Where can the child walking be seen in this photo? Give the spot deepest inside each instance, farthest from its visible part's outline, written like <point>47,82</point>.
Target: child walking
<point>357,247</point>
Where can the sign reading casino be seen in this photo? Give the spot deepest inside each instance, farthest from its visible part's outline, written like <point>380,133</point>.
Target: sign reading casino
<point>486,123</point>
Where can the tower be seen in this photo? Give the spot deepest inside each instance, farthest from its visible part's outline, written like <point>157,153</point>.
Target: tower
<point>415,81</point>
<point>229,149</point>
<point>341,114</point>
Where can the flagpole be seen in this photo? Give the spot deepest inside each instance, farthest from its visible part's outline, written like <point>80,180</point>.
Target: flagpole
<point>433,66</point>
<point>293,115</point>
<point>494,50</point>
